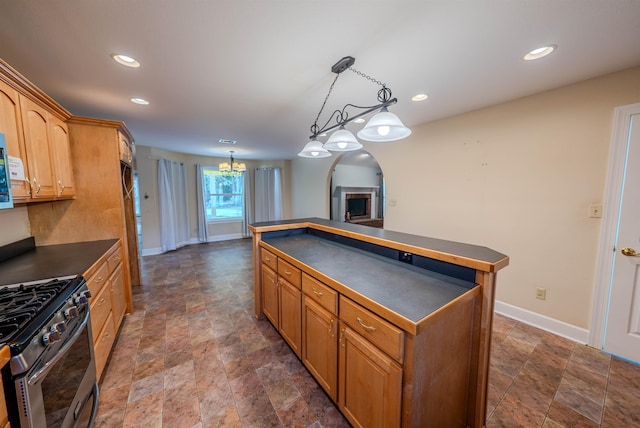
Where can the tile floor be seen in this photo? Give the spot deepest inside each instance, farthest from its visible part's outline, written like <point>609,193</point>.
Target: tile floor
<point>192,355</point>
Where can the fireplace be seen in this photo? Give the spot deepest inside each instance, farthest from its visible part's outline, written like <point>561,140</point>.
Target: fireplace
<point>357,206</point>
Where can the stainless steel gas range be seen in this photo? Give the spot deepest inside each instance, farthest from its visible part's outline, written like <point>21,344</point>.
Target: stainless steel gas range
<point>50,380</point>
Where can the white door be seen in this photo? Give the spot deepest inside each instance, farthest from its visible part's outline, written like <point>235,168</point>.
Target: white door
<point>622,333</point>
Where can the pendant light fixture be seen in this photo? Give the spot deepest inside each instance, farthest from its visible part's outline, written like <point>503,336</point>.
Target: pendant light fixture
<point>232,166</point>
<point>382,127</point>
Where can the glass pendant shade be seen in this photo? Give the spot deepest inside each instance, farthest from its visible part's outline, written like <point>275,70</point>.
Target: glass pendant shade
<point>384,126</point>
<point>240,167</point>
<point>314,149</point>
<point>342,141</point>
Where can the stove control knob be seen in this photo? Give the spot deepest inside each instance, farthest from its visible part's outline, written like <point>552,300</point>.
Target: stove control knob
<point>50,338</point>
<point>60,327</point>
<point>80,300</point>
<point>86,294</point>
<point>71,312</point>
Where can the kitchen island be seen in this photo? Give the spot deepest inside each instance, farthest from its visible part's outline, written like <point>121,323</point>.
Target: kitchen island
<point>396,328</point>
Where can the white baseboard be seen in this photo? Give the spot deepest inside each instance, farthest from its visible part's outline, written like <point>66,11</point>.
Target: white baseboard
<point>560,328</point>
<point>193,241</point>
<point>228,237</point>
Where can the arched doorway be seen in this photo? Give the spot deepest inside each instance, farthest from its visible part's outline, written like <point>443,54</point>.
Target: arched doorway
<point>356,189</point>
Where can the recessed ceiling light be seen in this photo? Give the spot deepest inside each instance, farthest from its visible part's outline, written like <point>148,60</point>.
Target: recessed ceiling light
<point>539,52</point>
<point>140,101</point>
<point>125,60</point>
<point>324,134</point>
<point>226,141</point>
<point>359,120</point>
<point>419,97</point>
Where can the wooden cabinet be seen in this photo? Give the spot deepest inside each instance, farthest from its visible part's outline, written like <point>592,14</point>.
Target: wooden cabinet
<point>35,124</point>
<point>40,141</point>
<point>5,354</point>
<point>270,295</point>
<point>370,383</point>
<point>108,303</point>
<point>320,345</point>
<point>103,196</point>
<point>413,338</point>
<point>61,154</point>
<point>11,127</point>
<point>281,298</point>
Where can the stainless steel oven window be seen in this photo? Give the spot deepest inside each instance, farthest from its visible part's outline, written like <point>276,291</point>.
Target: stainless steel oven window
<point>63,392</point>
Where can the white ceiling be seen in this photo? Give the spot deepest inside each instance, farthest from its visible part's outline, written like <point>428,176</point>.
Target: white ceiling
<point>258,71</point>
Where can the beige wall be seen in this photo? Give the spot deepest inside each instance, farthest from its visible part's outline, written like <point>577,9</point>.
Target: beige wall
<point>147,168</point>
<point>517,177</point>
<point>14,224</point>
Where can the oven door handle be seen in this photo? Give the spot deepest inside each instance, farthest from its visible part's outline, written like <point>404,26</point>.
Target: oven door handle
<point>43,371</point>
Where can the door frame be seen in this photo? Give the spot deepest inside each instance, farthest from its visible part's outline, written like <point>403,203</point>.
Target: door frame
<point>611,213</point>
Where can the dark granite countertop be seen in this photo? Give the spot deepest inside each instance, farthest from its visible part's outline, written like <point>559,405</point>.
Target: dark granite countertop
<point>53,261</point>
<point>474,256</point>
<point>409,291</point>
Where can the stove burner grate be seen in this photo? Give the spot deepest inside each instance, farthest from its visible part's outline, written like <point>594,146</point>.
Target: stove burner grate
<point>18,305</point>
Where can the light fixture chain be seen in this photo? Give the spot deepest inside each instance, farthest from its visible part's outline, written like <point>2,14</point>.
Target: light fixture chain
<point>366,76</point>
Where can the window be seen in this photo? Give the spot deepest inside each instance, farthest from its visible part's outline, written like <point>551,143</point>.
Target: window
<point>223,194</point>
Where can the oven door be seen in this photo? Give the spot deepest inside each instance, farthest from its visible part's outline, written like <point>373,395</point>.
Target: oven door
<point>62,392</point>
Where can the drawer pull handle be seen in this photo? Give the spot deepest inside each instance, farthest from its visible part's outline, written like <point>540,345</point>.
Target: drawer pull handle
<point>267,259</point>
<point>99,279</point>
<point>366,327</point>
<point>331,328</point>
<point>287,272</point>
<point>101,302</point>
<point>316,292</point>
<point>341,337</point>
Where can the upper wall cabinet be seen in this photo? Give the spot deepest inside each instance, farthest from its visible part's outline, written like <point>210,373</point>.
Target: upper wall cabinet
<point>61,154</point>
<point>37,140</point>
<point>11,127</point>
<point>35,123</point>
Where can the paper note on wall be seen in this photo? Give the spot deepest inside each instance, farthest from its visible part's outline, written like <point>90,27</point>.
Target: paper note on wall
<point>16,168</point>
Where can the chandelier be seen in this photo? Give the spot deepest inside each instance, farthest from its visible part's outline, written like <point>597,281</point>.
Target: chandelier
<point>232,166</point>
<point>384,126</point>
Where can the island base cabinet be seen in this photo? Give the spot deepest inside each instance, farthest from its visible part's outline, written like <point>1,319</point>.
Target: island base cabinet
<point>370,383</point>
<point>290,315</point>
<point>270,295</point>
<point>320,345</point>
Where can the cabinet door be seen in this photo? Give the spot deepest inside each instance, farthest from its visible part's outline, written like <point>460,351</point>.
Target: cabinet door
<point>118,303</point>
<point>290,314</point>
<point>370,383</point>
<point>11,127</point>
<point>320,345</point>
<point>270,295</point>
<point>61,153</point>
<point>35,123</point>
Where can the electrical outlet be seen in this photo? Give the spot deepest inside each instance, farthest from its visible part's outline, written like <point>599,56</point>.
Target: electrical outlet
<point>541,293</point>
<point>595,211</point>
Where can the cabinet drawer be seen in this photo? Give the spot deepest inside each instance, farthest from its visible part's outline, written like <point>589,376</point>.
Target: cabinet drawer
<point>381,333</point>
<point>269,259</point>
<point>100,310</point>
<point>114,259</point>
<point>98,280</point>
<point>325,296</point>
<point>289,272</point>
<point>103,344</point>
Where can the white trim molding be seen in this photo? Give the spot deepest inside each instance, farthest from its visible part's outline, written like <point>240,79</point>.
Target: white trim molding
<point>611,212</point>
<point>194,241</point>
<point>551,325</point>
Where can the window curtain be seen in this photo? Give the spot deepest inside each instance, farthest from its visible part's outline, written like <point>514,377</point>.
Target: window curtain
<point>174,214</point>
<point>203,229</point>
<point>268,190</point>
<point>247,209</point>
